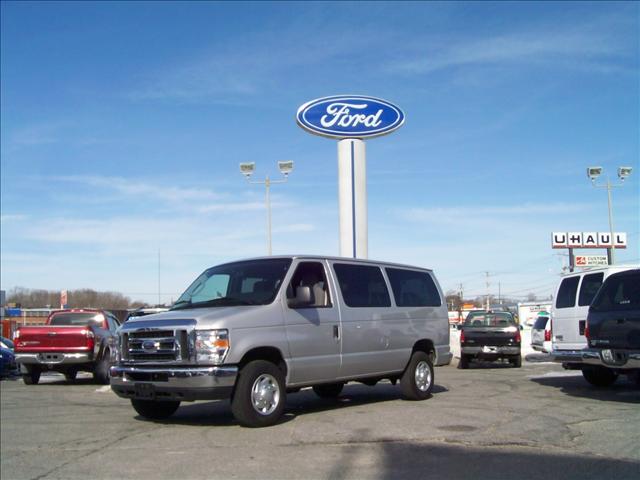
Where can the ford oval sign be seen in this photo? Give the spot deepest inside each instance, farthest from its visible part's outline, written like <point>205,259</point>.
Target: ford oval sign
<point>349,116</point>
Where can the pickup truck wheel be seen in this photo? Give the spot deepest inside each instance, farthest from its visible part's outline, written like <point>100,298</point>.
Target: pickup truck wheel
<point>516,361</point>
<point>101,370</point>
<point>464,361</point>
<point>259,397</point>
<point>154,410</point>
<point>32,377</point>
<point>328,390</point>
<point>416,382</point>
<point>599,376</point>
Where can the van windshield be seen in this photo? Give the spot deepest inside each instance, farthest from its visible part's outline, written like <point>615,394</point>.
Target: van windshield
<point>253,282</point>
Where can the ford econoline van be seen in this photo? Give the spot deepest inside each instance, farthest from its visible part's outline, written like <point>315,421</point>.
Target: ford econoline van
<point>255,330</point>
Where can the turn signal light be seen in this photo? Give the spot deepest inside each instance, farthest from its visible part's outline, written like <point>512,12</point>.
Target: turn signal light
<point>518,337</point>
<point>547,335</point>
<point>462,339</point>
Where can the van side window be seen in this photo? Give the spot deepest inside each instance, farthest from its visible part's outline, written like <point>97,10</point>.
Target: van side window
<point>311,274</point>
<point>590,285</point>
<point>567,292</point>
<point>362,285</point>
<point>413,289</point>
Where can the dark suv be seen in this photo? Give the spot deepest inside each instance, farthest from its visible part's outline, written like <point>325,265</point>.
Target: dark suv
<point>613,330</point>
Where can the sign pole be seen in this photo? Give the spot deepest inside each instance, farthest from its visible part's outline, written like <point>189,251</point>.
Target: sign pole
<point>352,198</point>
<point>572,260</point>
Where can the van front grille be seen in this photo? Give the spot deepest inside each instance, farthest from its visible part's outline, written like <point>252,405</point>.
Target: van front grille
<point>153,346</point>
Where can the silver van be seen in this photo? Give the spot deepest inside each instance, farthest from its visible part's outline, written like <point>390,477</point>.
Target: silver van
<point>255,330</point>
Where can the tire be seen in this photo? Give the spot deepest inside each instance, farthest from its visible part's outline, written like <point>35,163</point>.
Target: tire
<point>154,410</point>
<point>101,369</point>
<point>464,361</point>
<point>70,375</point>
<point>417,379</point>
<point>260,395</point>
<point>599,376</point>
<point>516,361</point>
<point>328,390</point>
<point>32,377</point>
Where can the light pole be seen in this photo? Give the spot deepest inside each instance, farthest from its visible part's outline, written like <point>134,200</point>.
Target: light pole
<point>247,170</point>
<point>623,172</point>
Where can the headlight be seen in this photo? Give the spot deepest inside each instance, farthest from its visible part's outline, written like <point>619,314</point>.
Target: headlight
<point>211,346</point>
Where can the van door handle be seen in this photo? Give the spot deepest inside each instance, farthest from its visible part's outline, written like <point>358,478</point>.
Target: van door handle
<point>336,332</point>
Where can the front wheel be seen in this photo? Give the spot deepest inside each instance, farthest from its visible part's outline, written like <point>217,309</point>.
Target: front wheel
<point>154,410</point>
<point>101,369</point>
<point>259,397</point>
<point>416,382</point>
<point>599,376</point>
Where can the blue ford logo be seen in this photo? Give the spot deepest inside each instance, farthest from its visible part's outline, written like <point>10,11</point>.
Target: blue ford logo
<point>148,345</point>
<point>349,116</point>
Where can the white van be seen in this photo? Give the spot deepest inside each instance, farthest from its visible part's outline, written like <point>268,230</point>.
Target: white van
<point>573,296</point>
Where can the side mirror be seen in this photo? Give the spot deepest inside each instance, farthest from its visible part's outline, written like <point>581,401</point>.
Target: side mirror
<point>521,327</point>
<point>302,298</point>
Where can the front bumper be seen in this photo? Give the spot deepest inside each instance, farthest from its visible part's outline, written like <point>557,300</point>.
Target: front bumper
<point>166,383</point>
<point>612,358</point>
<point>52,359</point>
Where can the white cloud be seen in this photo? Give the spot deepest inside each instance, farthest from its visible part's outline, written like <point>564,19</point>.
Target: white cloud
<point>591,47</point>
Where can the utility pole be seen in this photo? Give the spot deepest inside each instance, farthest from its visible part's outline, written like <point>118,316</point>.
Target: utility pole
<point>158,277</point>
<point>487,283</point>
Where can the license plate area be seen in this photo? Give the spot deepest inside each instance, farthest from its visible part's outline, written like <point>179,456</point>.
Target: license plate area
<point>611,357</point>
<point>146,391</point>
<point>488,349</point>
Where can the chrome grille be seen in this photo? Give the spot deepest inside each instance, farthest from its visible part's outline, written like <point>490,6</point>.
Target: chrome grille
<point>154,346</point>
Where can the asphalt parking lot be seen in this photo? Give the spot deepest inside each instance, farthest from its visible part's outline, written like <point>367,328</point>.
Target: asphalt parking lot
<point>490,421</point>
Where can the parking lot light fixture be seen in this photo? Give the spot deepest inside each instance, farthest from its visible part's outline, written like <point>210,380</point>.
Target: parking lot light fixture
<point>285,168</point>
<point>623,172</point>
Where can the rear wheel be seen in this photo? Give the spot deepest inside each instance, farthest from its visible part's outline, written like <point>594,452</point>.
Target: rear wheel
<point>516,361</point>
<point>154,410</point>
<point>464,361</point>
<point>328,390</point>
<point>101,369</point>
<point>416,382</point>
<point>32,377</point>
<point>259,397</point>
<point>599,376</point>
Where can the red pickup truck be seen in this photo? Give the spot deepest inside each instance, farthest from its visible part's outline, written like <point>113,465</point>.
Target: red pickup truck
<point>70,341</point>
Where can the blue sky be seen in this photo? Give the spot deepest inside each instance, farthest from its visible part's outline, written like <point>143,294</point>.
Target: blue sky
<point>123,125</point>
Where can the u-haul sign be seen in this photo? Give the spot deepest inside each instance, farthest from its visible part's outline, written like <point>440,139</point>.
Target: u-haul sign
<point>588,240</point>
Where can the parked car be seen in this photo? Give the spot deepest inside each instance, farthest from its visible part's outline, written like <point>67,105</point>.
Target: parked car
<point>574,294</point>
<point>143,312</point>
<point>541,333</point>
<point>255,330</point>
<point>8,364</point>
<point>490,336</point>
<point>613,330</point>
<point>70,341</point>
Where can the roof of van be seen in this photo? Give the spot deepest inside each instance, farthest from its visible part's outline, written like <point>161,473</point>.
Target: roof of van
<point>341,259</point>
<point>617,268</point>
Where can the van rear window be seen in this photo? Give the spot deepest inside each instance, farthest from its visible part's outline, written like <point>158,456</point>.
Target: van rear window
<point>590,285</point>
<point>413,289</point>
<point>362,285</point>
<point>567,292</point>
<point>620,292</point>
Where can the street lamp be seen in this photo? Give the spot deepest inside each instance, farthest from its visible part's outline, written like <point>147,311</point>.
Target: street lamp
<point>247,169</point>
<point>623,172</point>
